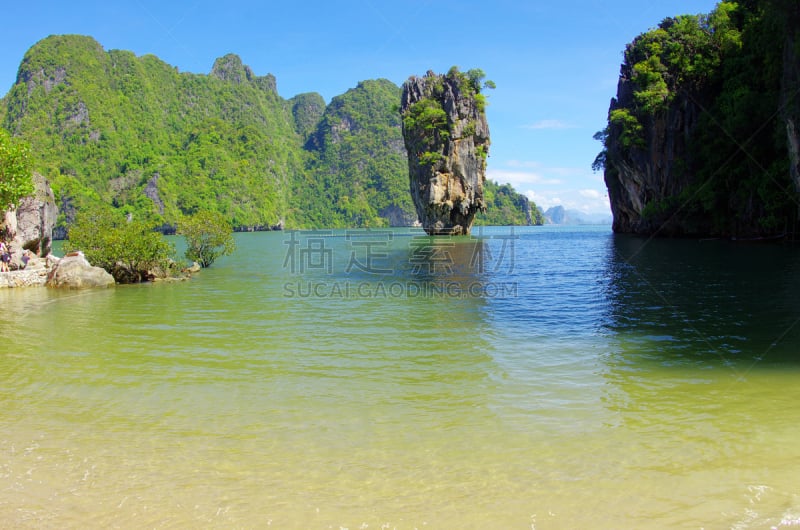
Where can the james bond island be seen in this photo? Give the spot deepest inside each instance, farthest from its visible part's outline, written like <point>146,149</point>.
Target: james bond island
<point>447,138</point>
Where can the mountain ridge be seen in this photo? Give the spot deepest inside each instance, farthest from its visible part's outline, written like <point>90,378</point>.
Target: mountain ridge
<point>108,127</point>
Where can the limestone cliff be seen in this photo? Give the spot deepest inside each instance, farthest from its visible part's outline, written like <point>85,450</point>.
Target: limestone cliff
<point>650,168</point>
<point>703,136</point>
<point>790,95</point>
<point>30,225</point>
<point>447,139</point>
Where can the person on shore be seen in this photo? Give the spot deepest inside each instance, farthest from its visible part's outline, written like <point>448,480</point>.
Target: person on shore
<point>5,257</point>
<point>26,257</point>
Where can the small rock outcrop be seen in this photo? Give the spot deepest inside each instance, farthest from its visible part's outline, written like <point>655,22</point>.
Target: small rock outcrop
<point>398,217</point>
<point>151,192</point>
<point>447,139</point>
<point>73,271</point>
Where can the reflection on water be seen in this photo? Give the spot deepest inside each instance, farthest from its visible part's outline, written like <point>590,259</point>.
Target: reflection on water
<point>590,381</point>
<point>707,301</point>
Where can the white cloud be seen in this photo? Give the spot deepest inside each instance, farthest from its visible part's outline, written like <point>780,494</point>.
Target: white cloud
<point>591,194</point>
<point>544,200</point>
<point>520,179</point>
<point>548,125</point>
<point>590,202</point>
<point>570,187</point>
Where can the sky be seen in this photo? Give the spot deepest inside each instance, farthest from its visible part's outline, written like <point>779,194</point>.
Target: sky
<point>555,64</point>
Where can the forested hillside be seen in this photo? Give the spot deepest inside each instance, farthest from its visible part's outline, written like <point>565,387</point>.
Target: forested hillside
<point>134,132</point>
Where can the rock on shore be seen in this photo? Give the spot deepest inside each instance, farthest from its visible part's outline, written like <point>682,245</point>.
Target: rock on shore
<point>75,272</point>
<point>70,272</point>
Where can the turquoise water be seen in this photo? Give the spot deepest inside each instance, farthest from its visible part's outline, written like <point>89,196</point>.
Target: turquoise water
<point>528,378</point>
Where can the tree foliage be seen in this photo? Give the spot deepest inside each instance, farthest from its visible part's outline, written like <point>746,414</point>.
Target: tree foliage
<point>357,170</point>
<point>504,206</point>
<point>132,251</point>
<point>15,170</point>
<point>209,235</point>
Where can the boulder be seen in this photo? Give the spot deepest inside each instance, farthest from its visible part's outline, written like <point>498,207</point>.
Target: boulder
<point>193,268</point>
<point>75,272</point>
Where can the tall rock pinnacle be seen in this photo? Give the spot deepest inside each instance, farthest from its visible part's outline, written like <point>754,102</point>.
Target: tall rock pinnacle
<point>447,139</point>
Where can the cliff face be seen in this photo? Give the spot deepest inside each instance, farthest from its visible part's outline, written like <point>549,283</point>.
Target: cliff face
<point>790,95</point>
<point>30,225</point>
<point>447,139</point>
<point>703,138</point>
<point>651,168</point>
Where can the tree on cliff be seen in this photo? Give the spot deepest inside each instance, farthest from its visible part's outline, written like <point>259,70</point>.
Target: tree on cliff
<point>209,235</point>
<point>16,179</point>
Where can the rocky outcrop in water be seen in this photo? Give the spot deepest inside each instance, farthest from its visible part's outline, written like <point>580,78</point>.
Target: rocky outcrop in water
<point>447,138</point>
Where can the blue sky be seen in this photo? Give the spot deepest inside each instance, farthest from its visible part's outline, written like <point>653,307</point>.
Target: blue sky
<point>555,63</point>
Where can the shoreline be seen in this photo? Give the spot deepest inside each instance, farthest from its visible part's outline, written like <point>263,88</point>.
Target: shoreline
<point>24,278</point>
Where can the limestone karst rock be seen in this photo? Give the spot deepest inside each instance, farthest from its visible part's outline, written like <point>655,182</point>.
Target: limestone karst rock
<point>447,138</point>
<point>702,140</point>
<point>29,226</point>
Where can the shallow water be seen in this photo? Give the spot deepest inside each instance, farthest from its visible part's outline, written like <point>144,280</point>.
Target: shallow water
<point>527,378</point>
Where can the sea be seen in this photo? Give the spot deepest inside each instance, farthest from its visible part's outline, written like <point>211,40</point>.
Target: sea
<point>554,377</point>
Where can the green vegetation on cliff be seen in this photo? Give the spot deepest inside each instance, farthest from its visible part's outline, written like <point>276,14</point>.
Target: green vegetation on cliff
<point>696,142</point>
<point>504,206</point>
<point>427,119</point>
<point>111,128</point>
<point>16,180</point>
<point>356,172</point>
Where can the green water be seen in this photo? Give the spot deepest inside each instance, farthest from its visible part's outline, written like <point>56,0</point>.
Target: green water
<point>540,378</point>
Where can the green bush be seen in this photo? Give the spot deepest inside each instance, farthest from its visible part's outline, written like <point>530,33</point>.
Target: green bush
<point>209,235</point>
<point>132,251</point>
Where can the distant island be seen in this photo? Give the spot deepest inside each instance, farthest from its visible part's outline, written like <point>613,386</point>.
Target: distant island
<point>558,215</point>
<point>110,128</point>
<point>703,136</point>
